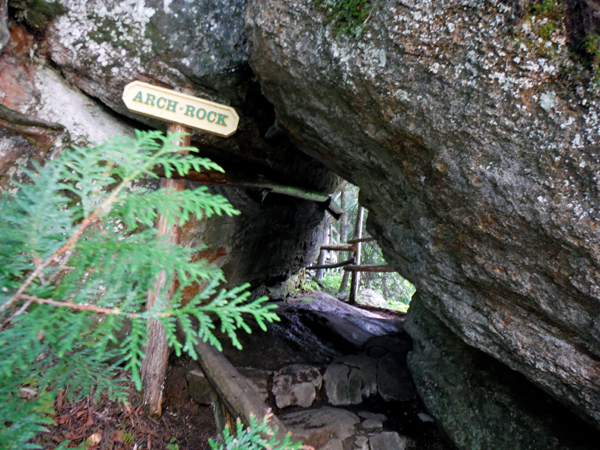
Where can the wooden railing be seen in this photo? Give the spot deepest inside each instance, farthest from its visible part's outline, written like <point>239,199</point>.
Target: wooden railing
<point>351,265</point>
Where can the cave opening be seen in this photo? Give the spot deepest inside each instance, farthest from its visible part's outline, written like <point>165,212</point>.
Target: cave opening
<point>345,246</point>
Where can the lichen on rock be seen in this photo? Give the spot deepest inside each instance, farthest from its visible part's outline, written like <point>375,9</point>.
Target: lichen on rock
<point>488,139</point>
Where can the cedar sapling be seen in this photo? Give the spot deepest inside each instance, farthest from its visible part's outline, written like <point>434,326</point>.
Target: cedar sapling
<point>78,253</point>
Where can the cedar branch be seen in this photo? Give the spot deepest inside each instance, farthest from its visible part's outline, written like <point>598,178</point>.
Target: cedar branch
<point>79,306</point>
<point>69,245</point>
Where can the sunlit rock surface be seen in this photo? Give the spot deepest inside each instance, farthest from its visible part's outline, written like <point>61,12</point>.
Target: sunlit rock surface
<point>474,142</point>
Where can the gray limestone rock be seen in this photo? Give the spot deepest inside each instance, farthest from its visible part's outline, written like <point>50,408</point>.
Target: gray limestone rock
<point>371,424</point>
<point>369,297</point>
<point>388,440</point>
<point>336,384</point>
<point>361,443</point>
<point>317,427</point>
<point>198,47</point>
<point>296,385</point>
<point>333,444</point>
<point>4,33</point>
<point>476,157</point>
<point>351,379</point>
<point>103,45</point>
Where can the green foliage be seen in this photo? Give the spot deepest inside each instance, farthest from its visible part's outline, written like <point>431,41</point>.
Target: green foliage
<point>395,289</point>
<point>550,9</point>
<point>332,279</point>
<point>547,29</point>
<point>254,437</point>
<point>35,13</point>
<point>347,16</point>
<point>78,243</point>
<point>591,47</point>
<point>553,11</point>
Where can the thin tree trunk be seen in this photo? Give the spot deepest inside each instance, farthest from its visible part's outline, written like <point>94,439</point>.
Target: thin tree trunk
<point>356,275</point>
<point>154,366</point>
<point>345,277</point>
<point>344,223</point>
<point>322,253</point>
<point>320,262</point>
<point>343,238</point>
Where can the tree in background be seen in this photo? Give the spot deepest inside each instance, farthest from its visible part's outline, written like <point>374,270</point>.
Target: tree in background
<point>78,253</point>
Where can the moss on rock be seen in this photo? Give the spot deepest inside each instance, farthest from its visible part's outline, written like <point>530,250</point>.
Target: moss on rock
<point>346,16</point>
<point>35,13</point>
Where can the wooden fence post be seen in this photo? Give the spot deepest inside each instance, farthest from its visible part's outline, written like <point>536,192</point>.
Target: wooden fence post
<point>356,275</point>
<point>154,365</point>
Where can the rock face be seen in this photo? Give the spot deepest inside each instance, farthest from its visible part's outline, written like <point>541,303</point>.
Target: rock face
<point>270,240</point>
<point>352,379</point>
<point>62,85</point>
<point>101,46</point>
<point>480,402</point>
<point>475,142</point>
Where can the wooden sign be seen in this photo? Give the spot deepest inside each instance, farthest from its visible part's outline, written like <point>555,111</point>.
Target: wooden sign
<point>175,107</point>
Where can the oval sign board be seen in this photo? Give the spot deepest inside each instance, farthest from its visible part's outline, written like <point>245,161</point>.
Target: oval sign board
<point>175,107</point>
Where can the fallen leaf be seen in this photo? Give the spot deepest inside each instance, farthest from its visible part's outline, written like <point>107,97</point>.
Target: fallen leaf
<point>73,437</point>
<point>94,439</point>
<point>90,420</point>
<point>63,419</point>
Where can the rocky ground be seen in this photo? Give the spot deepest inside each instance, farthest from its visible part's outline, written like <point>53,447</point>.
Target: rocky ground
<point>335,375</point>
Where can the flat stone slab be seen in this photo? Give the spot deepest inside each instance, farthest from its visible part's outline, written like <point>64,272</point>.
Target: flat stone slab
<point>333,444</point>
<point>361,443</point>
<point>351,379</point>
<point>296,385</point>
<point>388,440</point>
<point>317,427</point>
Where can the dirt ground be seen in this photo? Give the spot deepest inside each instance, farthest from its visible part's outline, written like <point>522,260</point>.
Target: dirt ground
<point>108,425</point>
